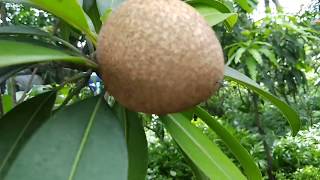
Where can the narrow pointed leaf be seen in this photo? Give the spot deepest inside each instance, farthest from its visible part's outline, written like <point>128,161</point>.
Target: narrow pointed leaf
<point>14,53</point>
<point>215,12</point>
<point>68,10</point>
<point>291,115</point>
<point>19,124</point>
<point>247,162</point>
<point>27,30</point>
<point>244,4</point>
<point>136,142</point>
<point>256,55</point>
<point>82,141</point>
<point>137,147</point>
<point>204,153</point>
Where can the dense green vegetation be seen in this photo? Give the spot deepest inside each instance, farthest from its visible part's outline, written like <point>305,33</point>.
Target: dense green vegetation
<point>279,52</point>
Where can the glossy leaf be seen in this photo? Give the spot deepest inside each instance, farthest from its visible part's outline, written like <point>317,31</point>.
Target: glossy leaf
<point>210,8</point>
<point>244,4</point>
<point>17,126</point>
<point>247,162</point>
<point>82,141</point>
<point>14,53</point>
<point>68,10</point>
<point>26,30</point>
<point>105,5</point>
<point>291,115</point>
<point>136,142</point>
<point>204,153</point>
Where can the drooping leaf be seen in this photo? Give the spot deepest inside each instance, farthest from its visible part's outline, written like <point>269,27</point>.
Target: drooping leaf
<point>252,67</point>
<point>14,53</point>
<point>204,153</point>
<point>137,147</point>
<point>210,8</point>
<point>68,10</point>
<point>256,55</point>
<point>244,4</point>
<point>270,55</point>
<point>291,115</point>
<point>238,54</point>
<point>247,162</point>
<point>90,7</point>
<point>105,5</point>
<point>19,124</point>
<point>82,141</point>
<point>136,142</point>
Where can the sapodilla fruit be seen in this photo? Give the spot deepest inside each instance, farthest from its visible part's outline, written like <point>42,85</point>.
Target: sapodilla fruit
<point>159,56</point>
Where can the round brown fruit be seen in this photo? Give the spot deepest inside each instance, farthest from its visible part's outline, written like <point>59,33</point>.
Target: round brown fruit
<point>159,56</point>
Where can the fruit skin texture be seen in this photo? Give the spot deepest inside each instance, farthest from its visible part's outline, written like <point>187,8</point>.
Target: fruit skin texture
<point>159,56</point>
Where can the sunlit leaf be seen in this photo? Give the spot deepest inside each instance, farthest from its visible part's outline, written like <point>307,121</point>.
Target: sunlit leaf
<point>14,53</point>
<point>215,12</point>
<point>244,4</point>
<point>27,30</point>
<point>203,152</point>
<point>247,162</point>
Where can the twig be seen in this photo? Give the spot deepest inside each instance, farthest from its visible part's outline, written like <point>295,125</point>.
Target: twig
<point>24,95</point>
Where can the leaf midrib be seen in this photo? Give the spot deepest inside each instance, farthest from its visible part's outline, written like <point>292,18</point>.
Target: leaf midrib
<point>84,141</point>
<point>198,145</point>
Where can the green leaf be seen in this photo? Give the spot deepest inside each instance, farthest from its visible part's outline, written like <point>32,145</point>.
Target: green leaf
<point>14,53</point>
<point>83,141</point>
<point>215,12</point>
<point>244,4</point>
<point>291,115</point>
<point>136,142</point>
<point>27,30</point>
<point>245,159</point>
<point>199,175</point>
<point>252,67</point>
<point>204,153</point>
<point>90,7</point>
<point>105,5</point>
<point>270,55</point>
<point>68,10</point>
<point>106,15</point>
<point>7,103</point>
<point>137,147</point>
<point>17,126</point>
<point>238,54</point>
<point>256,55</point>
